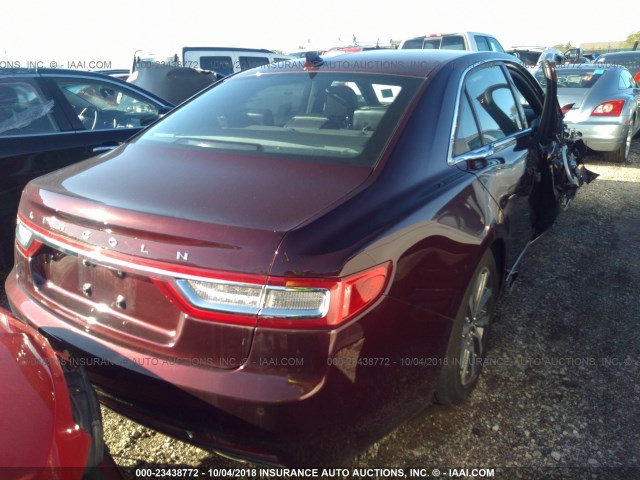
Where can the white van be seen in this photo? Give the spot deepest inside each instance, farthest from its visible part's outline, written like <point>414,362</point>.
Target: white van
<point>475,41</point>
<point>221,60</point>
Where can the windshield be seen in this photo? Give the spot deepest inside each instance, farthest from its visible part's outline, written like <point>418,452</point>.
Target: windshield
<point>337,117</point>
<point>575,77</point>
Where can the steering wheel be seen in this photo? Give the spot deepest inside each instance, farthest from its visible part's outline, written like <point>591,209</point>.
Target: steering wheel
<point>89,117</point>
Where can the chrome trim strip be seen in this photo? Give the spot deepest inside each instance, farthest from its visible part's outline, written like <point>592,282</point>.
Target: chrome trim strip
<point>110,262</point>
<point>185,288</point>
<point>451,161</point>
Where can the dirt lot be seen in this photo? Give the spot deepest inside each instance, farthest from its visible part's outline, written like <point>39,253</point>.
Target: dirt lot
<point>560,393</point>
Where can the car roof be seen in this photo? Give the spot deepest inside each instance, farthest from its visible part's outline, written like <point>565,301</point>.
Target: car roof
<point>630,54</point>
<point>419,63</point>
<point>434,35</point>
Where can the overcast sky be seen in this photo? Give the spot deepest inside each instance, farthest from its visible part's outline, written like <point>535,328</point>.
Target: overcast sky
<point>36,30</point>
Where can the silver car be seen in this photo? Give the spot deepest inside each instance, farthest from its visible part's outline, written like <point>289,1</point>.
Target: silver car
<point>603,103</point>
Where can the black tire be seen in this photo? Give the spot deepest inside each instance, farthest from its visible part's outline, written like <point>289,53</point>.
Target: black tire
<point>622,154</point>
<point>468,340</point>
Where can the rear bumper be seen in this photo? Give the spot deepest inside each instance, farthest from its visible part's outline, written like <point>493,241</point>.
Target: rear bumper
<point>602,137</point>
<point>301,398</point>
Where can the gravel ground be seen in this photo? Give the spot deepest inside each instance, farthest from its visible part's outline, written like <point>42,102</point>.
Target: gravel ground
<point>560,392</point>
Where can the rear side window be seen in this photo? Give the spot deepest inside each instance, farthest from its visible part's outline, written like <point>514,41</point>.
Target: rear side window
<point>494,45</point>
<point>482,44</point>
<point>467,136</point>
<point>24,110</point>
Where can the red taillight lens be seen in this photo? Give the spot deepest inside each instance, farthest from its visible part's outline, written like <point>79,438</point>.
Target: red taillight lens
<point>347,297</point>
<point>612,108</point>
<point>637,77</point>
<point>295,303</point>
<point>25,240</point>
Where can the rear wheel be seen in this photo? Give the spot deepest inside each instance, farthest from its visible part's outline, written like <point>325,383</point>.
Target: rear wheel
<point>622,154</point>
<point>468,339</point>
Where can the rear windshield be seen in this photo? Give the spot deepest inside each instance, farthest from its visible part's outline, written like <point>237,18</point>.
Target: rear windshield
<point>328,116</point>
<point>575,77</point>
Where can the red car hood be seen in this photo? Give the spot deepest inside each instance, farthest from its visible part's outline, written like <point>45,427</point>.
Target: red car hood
<point>203,201</point>
<point>39,432</point>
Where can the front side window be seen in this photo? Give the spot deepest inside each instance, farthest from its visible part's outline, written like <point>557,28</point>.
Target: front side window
<point>24,110</point>
<point>102,105</point>
<point>335,117</point>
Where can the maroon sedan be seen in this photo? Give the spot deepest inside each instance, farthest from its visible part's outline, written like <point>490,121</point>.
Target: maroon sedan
<point>292,263</point>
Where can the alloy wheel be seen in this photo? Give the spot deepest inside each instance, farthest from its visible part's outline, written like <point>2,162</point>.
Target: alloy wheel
<point>476,320</point>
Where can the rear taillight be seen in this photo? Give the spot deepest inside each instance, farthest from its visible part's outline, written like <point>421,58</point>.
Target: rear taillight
<point>611,108</point>
<point>284,302</point>
<point>25,240</point>
<point>637,77</point>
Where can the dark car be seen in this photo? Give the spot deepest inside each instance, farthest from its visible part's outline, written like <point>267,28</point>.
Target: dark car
<point>52,118</point>
<point>289,265</point>
<point>630,60</point>
<point>50,415</point>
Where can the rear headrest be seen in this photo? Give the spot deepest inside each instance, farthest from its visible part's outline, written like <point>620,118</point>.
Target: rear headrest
<point>368,118</point>
<point>341,101</point>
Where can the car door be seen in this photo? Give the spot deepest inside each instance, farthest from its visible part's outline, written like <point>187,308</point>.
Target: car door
<point>628,86</point>
<point>41,131</point>
<point>492,140</point>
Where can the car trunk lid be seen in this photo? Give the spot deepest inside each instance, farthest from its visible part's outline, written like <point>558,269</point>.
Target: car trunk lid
<point>118,235</point>
<point>575,96</point>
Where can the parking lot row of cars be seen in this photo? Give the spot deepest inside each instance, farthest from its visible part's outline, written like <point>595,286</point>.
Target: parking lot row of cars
<point>268,238</point>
